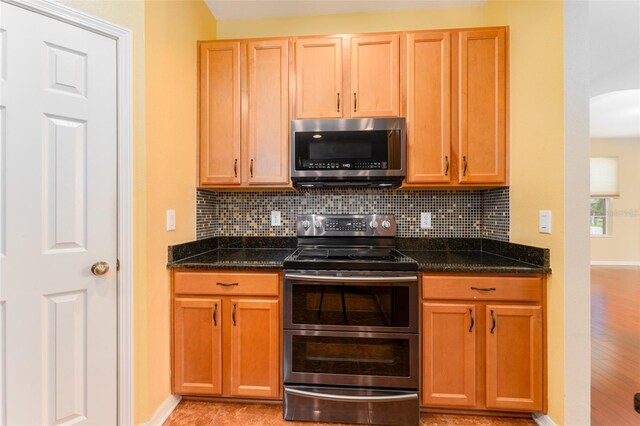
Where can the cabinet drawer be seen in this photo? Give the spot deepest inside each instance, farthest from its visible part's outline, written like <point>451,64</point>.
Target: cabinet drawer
<point>482,288</point>
<point>223,283</point>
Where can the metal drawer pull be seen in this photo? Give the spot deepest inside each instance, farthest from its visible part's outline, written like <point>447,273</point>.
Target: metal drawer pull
<point>355,102</point>
<point>235,168</point>
<point>226,284</point>
<point>320,278</point>
<point>251,168</point>
<point>215,312</point>
<point>483,288</point>
<point>473,321</point>
<point>493,322</point>
<point>446,169</point>
<point>464,171</point>
<point>353,398</point>
<point>338,102</point>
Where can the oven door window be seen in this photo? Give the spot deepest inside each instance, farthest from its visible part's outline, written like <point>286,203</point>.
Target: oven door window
<point>354,356</point>
<point>371,306</point>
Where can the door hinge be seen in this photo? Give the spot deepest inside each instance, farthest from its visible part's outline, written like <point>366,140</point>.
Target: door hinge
<point>117,264</point>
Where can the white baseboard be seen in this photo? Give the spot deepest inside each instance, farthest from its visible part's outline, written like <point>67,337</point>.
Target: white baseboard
<point>163,411</point>
<point>615,263</point>
<point>543,419</point>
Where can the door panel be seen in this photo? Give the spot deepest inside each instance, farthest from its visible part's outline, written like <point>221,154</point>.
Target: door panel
<point>255,355</point>
<point>375,76</point>
<point>220,112</point>
<point>58,205</point>
<point>514,357</point>
<point>429,107</point>
<point>198,346</point>
<point>482,106</point>
<point>319,78</point>
<point>449,354</point>
<point>268,112</point>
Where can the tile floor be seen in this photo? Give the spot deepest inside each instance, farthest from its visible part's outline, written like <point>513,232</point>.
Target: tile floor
<point>201,413</point>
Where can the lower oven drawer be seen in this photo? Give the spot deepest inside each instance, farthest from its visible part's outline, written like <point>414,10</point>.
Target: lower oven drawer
<point>348,405</point>
<point>386,360</point>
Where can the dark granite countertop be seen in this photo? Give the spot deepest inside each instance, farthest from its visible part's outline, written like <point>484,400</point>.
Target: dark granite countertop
<point>454,255</point>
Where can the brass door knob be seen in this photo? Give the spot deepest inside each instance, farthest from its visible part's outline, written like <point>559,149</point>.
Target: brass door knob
<point>99,268</point>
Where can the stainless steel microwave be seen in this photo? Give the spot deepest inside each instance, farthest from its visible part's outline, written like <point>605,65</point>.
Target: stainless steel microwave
<point>348,152</point>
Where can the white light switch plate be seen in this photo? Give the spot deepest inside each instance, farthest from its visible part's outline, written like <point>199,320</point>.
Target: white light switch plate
<point>171,220</point>
<point>544,222</point>
<point>276,219</point>
<point>425,220</point>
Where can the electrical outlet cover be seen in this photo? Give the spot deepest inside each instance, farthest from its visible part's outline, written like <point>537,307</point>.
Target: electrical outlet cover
<point>276,219</point>
<point>425,220</point>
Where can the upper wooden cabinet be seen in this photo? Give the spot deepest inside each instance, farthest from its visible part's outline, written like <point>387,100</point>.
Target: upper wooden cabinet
<point>429,107</point>
<point>244,113</point>
<point>482,106</point>
<point>319,78</point>
<point>347,76</point>
<point>375,75</point>
<point>220,113</point>
<point>456,89</point>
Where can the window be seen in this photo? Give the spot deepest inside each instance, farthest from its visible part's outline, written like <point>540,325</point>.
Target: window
<point>599,216</point>
<point>604,186</point>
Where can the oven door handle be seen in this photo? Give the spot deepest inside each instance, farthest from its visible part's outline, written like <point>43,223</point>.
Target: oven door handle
<point>329,278</point>
<point>353,398</point>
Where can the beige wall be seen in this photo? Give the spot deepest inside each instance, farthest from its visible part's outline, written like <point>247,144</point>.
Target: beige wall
<point>536,121</point>
<point>165,35</point>
<point>623,243</point>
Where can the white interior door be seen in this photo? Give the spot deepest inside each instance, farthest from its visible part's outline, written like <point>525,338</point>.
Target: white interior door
<point>58,354</point>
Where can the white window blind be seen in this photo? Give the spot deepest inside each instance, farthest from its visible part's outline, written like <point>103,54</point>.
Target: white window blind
<point>604,177</point>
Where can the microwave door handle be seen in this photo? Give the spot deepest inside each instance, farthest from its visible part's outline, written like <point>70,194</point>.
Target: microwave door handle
<point>325,278</point>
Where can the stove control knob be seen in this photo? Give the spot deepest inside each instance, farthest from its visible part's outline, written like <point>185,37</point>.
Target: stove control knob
<point>318,224</point>
<point>373,224</point>
<point>306,224</point>
<point>386,224</point>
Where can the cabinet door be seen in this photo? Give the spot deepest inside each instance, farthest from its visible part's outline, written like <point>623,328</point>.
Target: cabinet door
<point>319,78</point>
<point>268,115</point>
<point>197,346</point>
<point>375,76</point>
<point>255,342</point>
<point>429,107</point>
<point>482,104</point>
<point>449,354</point>
<point>514,357</point>
<point>220,112</point>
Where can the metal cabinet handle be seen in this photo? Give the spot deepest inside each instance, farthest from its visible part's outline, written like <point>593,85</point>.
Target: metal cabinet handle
<point>338,102</point>
<point>233,314</point>
<point>464,170</point>
<point>226,284</point>
<point>215,313</point>
<point>446,168</point>
<point>483,288</point>
<point>493,322</point>
<point>251,168</point>
<point>235,167</point>
<point>355,102</point>
<point>473,321</point>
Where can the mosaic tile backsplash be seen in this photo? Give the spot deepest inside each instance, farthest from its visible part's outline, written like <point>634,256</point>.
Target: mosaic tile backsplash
<point>455,214</point>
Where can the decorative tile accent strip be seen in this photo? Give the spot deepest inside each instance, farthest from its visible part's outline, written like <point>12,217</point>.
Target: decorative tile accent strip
<point>454,213</point>
<point>496,214</point>
<point>206,214</point>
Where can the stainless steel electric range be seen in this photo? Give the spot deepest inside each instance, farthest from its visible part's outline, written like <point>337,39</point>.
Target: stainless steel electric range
<point>350,323</point>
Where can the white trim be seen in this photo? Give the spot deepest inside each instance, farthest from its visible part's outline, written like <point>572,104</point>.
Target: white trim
<point>542,419</point>
<point>163,411</point>
<point>124,76</point>
<point>575,366</point>
<point>615,263</point>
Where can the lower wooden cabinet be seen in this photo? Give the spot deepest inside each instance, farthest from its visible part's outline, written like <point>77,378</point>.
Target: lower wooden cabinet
<point>482,343</point>
<point>226,344</point>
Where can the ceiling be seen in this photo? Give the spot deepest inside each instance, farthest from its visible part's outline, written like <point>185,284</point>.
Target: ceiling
<point>256,9</point>
<point>614,46</point>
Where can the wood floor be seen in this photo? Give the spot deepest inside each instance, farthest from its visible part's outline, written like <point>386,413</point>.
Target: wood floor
<point>615,345</point>
<point>200,413</point>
